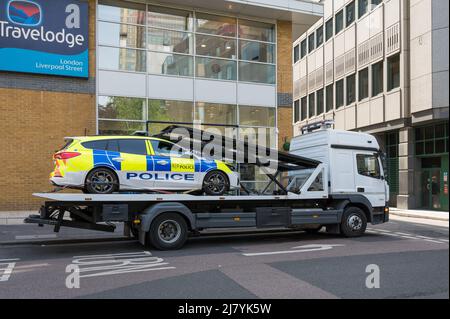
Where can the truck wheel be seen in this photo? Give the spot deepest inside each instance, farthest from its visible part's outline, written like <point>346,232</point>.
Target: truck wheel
<point>101,181</point>
<point>216,183</point>
<point>354,222</point>
<point>168,231</point>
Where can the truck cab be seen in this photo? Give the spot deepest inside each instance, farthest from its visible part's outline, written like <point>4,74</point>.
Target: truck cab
<point>353,160</point>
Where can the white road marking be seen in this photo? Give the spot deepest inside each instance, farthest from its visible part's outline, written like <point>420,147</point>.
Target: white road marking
<point>6,269</point>
<point>27,237</point>
<point>298,249</point>
<point>121,263</point>
<point>11,259</point>
<point>407,236</point>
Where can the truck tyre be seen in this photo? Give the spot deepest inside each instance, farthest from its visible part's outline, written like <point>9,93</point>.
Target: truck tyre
<point>168,231</point>
<point>354,222</point>
<point>101,181</point>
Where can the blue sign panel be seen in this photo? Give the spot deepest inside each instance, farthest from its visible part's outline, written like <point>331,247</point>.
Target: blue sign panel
<point>45,36</point>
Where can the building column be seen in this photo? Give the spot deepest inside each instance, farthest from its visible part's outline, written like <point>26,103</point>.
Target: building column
<point>284,81</point>
<point>406,198</point>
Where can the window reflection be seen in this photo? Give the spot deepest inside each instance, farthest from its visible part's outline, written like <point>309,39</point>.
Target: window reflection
<point>122,12</point>
<point>121,35</point>
<point>124,108</point>
<point>212,113</point>
<point>169,18</point>
<point>170,64</point>
<point>122,59</point>
<point>216,46</point>
<point>256,51</point>
<point>254,30</point>
<point>256,72</point>
<point>256,116</point>
<point>169,41</point>
<point>216,68</point>
<point>214,24</point>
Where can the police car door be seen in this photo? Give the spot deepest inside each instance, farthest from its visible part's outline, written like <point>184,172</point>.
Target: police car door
<point>134,170</point>
<point>173,168</point>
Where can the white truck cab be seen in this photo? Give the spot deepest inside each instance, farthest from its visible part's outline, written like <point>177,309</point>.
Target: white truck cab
<point>353,160</point>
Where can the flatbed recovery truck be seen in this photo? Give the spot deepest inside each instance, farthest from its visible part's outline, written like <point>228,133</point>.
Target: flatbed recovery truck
<point>334,179</point>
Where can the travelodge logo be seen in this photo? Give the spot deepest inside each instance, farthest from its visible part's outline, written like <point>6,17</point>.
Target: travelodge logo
<point>26,13</point>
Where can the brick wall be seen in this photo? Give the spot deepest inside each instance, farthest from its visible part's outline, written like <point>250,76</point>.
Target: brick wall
<point>285,85</point>
<point>37,112</point>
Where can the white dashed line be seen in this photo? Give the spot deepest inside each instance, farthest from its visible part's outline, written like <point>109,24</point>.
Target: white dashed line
<point>407,236</point>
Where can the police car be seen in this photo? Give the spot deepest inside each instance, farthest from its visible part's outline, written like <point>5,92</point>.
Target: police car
<point>107,164</point>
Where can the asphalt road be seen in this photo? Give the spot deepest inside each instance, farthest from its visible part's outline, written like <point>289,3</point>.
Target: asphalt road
<point>412,261</point>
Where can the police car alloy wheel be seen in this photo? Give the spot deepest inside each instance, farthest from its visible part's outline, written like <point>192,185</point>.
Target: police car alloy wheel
<point>101,181</point>
<point>215,183</point>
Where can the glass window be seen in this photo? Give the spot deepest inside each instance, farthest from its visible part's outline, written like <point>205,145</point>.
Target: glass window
<point>119,127</point>
<point>368,165</point>
<point>168,18</point>
<point>122,12</point>
<point>377,78</point>
<point>296,53</point>
<point>170,64</point>
<point>350,13</point>
<point>164,148</point>
<point>254,30</point>
<point>363,84</point>
<point>304,108</point>
<point>329,29</point>
<point>95,145</point>
<point>256,116</point>
<point>319,36</point>
<point>121,59</point>
<point>312,105</point>
<point>258,135</point>
<point>215,46</point>
<point>363,7</point>
<point>169,41</point>
<point>393,72</point>
<point>311,43</point>
<point>351,89</point>
<point>339,93</point>
<point>257,72</point>
<point>216,68</point>
<point>121,108</point>
<point>329,98</point>
<point>121,35</point>
<point>170,111</point>
<point>133,146</point>
<point>211,113</point>
<point>320,102</point>
<point>339,21</point>
<point>214,24</point>
<point>375,3</point>
<point>303,48</point>
<point>296,111</point>
<point>256,51</point>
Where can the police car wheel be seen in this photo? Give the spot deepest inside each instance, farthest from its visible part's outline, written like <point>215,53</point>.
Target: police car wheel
<point>216,183</point>
<point>168,231</point>
<point>101,181</point>
<point>354,222</point>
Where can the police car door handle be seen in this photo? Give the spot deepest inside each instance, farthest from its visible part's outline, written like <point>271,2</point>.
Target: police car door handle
<point>162,162</point>
<point>118,159</point>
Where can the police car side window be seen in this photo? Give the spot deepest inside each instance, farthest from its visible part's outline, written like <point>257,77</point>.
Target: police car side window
<point>113,146</point>
<point>95,145</point>
<point>133,146</point>
<point>162,148</point>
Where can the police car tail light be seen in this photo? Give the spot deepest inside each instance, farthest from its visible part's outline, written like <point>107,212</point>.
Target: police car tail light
<point>66,155</point>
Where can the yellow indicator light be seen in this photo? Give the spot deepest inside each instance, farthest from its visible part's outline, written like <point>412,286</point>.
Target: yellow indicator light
<point>136,221</point>
<point>315,216</point>
<point>386,209</point>
<point>236,219</point>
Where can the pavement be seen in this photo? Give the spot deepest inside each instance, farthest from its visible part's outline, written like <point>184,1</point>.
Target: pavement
<point>400,259</point>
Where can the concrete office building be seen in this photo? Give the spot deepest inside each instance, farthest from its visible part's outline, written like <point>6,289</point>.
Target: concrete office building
<point>222,62</point>
<point>383,67</point>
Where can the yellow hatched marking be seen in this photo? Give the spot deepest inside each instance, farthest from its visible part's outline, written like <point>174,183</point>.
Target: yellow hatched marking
<point>223,167</point>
